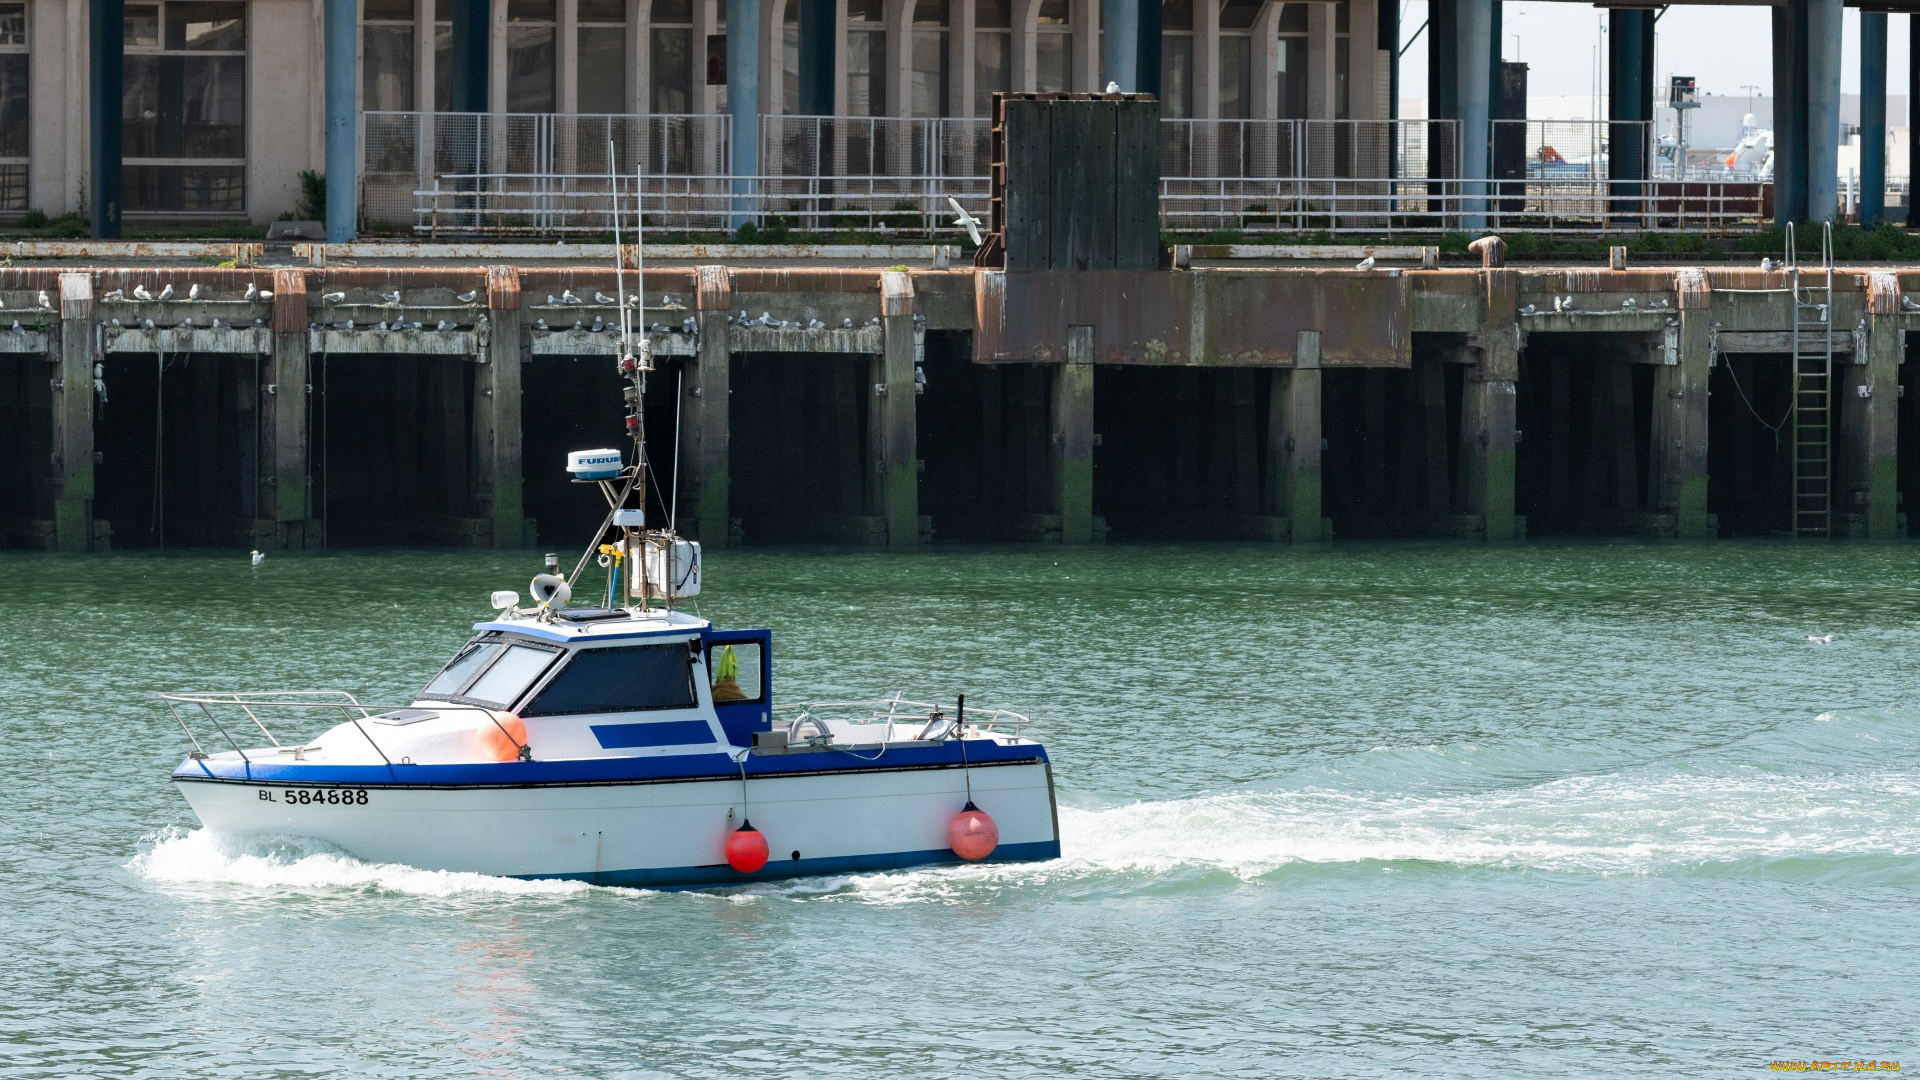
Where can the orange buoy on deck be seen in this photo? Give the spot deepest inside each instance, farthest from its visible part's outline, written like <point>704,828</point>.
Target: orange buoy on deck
<point>972,834</point>
<point>746,848</point>
<point>502,735</point>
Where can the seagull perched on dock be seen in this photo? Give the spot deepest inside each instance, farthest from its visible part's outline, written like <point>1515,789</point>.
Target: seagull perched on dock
<point>816,324</point>
<point>146,324</point>
<point>671,301</point>
<point>599,324</point>
<point>539,324</point>
<point>45,300</point>
<point>333,297</point>
<point>1627,304</point>
<point>443,326</point>
<point>567,297</point>
<point>16,326</point>
<point>392,297</point>
<point>166,293</point>
<point>1364,264</point>
<point>468,297</point>
<point>1907,304</point>
<point>1820,639</point>
<point>193,291</point>
<point>218,324</point>
<point>117,294</point>
<point>1766,266</point>
<point>603,298</point>
<point>689,325</point>
<point>140,293</point>
<point>343,324</point>
<point>257,557</point>
<point>657,328</point>
<point>965,220</point>
<point>253,292</point>
<point>1528,310</point>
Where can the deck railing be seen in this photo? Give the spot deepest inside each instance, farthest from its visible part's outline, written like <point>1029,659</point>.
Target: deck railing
<point>508,175</point>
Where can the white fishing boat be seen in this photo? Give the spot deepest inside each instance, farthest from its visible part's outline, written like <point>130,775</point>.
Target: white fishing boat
<point>625,743</point>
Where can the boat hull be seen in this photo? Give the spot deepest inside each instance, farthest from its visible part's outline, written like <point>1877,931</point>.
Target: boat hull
<point>655,834</point>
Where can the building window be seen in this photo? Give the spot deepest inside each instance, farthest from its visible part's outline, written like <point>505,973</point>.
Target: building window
<point>1176,59</point>
<point>1293,62</point>
<point>992,53</point>
<point>1053,48</point>
<point>386,55</point>
<point>930,58</point>
<point>1236,58</point>
<point>670,47</point>
<point>866,59</point>
<point>600,73</point>
<point>13,106</point>
<point>531,26</point>
<point>183,113</point>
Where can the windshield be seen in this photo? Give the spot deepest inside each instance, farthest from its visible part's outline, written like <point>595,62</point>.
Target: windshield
<point>470,659</point>
<point>619,680</point>
<point>510,675</point>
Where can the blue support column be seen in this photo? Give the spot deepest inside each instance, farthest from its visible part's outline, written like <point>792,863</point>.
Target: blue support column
<point>1148,46</point>
<point>1629,106</point>
<point>816,58</point>
<point>106,36</point>
<point>1120,43</point>
<point>343,180</point>
<point>1823,109</point>
<point>472,31</point>
<point>1790,112</point>
<point>1387,38</point>
<point>743,102</point>
<point>1873,118</point>
<point>1474,27</point>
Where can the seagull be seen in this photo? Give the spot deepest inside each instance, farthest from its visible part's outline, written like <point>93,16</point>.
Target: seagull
<point>875,321</point>
<point>116,322</point>
<point>193,291</point>
<point>671,301</point>
<point>634,300</point>
<point>218,324</point>
<point>539,324</point>
<point>1660,303</point>
<point>1528,310</point>
<point>266,294</point>
<point>443,326</point>
<point>140,293</point>
<point>1113,87</point>
<point>166,293</point>
<point>333,297</point>
<point>47,301</point>
<point>259,322</point>
<point>603,298</point>
<point>258,557</point>
<point>117,294</point>
<point>343,324</point>
<point>392,297</point>
<point>1766,266</point>
<point>1822,639</point>
<point>598,324</point>
<point>657,328</point>
<point>16,326</point>
<point>846,324</point>
<point>146,324</point>
<point>1907,304</point>
<point>1627,304</point>
<point>468,297</point>
<point>567,297</point>
<point>382,326</point>
<point>253,291</point>
<point>1364,264</point>
<point>965,220</point>
<point>816,324</point>
<point>578,325</point>
<point>689,325</point>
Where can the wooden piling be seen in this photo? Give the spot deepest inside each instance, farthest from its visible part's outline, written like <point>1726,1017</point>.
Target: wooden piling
<point>892,431</point>
<point>1488,403</point>
<point>1071,456</point>
<point>705,422</point>
<point>73,417</point>
<point>1677,464</point>
<point>285,416</point>
<point>499,480</point>
<point>1293,444</point>
<point>1869,399</point>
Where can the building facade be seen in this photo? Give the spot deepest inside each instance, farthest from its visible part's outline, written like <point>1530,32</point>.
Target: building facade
<point>223,102</point>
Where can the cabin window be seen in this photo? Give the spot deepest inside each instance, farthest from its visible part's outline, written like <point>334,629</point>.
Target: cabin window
<point>457,674</point>
<point>510,675</point>
<point>619,680</point>
<point>735,671</point>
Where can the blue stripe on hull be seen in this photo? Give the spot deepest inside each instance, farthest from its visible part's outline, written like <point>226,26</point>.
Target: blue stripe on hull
<point>707,877</point>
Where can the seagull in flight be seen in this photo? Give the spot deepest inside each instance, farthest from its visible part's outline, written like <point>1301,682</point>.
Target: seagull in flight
<point>1820,639</point>
<point>965,220</point>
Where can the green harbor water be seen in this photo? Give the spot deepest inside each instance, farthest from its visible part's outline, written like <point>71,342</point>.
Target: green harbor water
<point>1560,809</point>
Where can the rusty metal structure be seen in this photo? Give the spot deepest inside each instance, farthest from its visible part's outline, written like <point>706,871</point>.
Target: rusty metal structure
<point>420,403</point>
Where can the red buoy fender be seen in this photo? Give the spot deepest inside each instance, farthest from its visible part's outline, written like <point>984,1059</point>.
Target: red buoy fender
<point>972,834</point>
<point>746,848</point>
